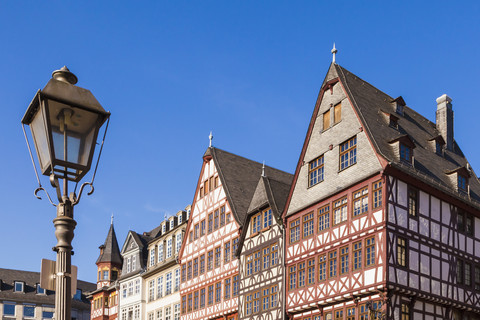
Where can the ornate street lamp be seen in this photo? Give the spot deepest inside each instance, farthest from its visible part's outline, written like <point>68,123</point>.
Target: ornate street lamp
<point>64,121</point>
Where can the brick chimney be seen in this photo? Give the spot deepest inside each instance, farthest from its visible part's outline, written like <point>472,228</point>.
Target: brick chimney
<point>445,120</point>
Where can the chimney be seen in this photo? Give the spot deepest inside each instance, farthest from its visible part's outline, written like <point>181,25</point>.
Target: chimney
<point>445,120</point>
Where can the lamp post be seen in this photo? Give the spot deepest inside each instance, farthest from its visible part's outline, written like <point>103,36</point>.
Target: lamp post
<point>64,120</point>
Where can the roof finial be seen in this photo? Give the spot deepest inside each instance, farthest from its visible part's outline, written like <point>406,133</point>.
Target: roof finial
<point>111,219</point>
<point>334,51</point>
<point>263,169</point>
<point>210,137</point>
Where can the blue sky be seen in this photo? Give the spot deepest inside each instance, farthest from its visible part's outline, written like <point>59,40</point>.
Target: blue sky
<point>171,72</point>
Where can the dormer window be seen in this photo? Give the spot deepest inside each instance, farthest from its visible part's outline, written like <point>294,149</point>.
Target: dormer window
<point>462,183</point>
<point>78,295</point>
<point>459,179</point>
<point>180,218</point>
<point>393,121</point>
<point>405,153</point>
<point>398,104</point>
<point>19,286</point>
<point>164,228</point>
<point>40,290</point>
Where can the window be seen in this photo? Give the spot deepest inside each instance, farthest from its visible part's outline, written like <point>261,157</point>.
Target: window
<point>405,153</point>
<point>274,296</point>
<point>307,225</point>
<point>177,279</point>
<point>105,274</point>
<point>210,260</point>
<point>124,291</point>
<point>332,264</point>
<point>169,248</point>
<point>295,230</point>
<point>256,302</point>
<point>323,218</point>
<point>189,270</point>
<point>248,304</point>
<point>477,278</point>
<point>360,201</point>
<point>178,245</point>
<point>159,287</point>
<point>40,290</point>
<point>218,255</point>
<point>184,272</point>
<point>216,182</point>
<point>256,223</point>
<point>210,222</point>
<point>202,227</point>
<point>210,295</point>
<point>202,264</point>
<point>265,299</point>
<point>18,286</point>
<point>202,298</point>
<point>160,251</point>
<point>218,292</point>
<point>348,153</point>
<point>412,202</point>
<point>469,225</point>
<point>462,183</point>
<point>405,311</point>
<point>234,247</point>
<point>114,275</point>
<point>315,171</point>
<point>344,260</point>
<point>151,290</point>
<point>184,305</point>
<point>47,314</point>
<point>363,314</point>
<point>205,186</point>
<point>468,274</point>
<point>401,252</point>
<point>159,313</point>
<point>235,286</point>
<point>337,113</point>
<point>228,218</point>
<point>249,264</point>
<point>195,300</point>
<point>370,251</point>
<point>216,219</point>
<point>377,194</point>
<point>227,288</point>
<point>292,277</point>
<point>267,218</point>
<point>134,263</point>
<point>168,313</point>
<point>196,233</point>
<point>195,267</point>
<point>130,288</point>
<point>274,254</point>
<point>301,274</point>
<point>226,254</point>
<point>351,313</point>
<point>326,120</point>
<point>129,267</point>
<point>180,218</point>
<point>8,309</point>
<point>338,314</point>
<point>28,311</point>
<point>357,255</point>
<point>256,261</point>
<point>190,237</point>
<point>322,267</point>
<point>222,216</point>
<point>340,210</point>
<point>266,258</point>
<point>311,272</point>
<point>189,303</point>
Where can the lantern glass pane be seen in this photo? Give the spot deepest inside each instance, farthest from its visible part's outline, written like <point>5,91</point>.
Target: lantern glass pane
<point>73,131</point>
<point>40,138</point>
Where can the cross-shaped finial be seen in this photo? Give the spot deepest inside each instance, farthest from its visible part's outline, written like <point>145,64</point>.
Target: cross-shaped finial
<point>263,169</point>
<point>334,51</point>
<point>210,137</point>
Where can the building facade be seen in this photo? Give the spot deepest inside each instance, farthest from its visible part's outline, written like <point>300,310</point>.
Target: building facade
<point>21,297</point>
<point>104,300</point>
<point>261,251</point>
<point>377,213</point>
<point>162,277</point>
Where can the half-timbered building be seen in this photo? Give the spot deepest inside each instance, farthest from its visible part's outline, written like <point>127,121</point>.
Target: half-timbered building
<point>261,250</point>
<point>104,300</point>
<point>383,215</point>
<point>209,268</point>
<point>162,276</point>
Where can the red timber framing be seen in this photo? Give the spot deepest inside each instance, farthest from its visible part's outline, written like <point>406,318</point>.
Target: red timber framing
<point>209,268</point>
<point>344,258</point>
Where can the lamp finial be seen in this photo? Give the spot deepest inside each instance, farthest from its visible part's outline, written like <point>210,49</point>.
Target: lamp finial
<point>210,137</point>
<point>263,169</point>
<point>63,74</point>
<point>334,52</point>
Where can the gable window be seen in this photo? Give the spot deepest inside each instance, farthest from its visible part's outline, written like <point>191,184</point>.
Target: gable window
<point>267,218</point>
<point>412,202</point>
<point>202,227</point>
<point>360,201</point>
<point>340,210</point>
<point>295,230</point>
<point>337,113</point>
<point>323,218</point>
<point>315,171</point>
<point>462,183</point>
<point>326,120</point>
<point>307,225</point>
<point>18,286</point>
<point>256,220</point>
<point>134,263</point>
<point>402,252</point>
<point>348,153</point>
<point>405,153</point>
<point>196,232</point>
<point>222,216</point>
<point>217,219</point>
<point>377,194</point>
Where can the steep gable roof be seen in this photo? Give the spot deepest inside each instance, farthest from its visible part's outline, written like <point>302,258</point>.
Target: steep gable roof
<point>110,251</point>
<point>239,177</point>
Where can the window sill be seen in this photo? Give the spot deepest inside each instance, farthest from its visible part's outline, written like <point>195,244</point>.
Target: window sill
<point>316,184</point>
<point>340,170</point>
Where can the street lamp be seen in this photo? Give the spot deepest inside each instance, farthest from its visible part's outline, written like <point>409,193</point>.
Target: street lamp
<point>64,121</point>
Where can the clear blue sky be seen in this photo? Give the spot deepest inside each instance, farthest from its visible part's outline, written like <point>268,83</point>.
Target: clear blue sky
<point>170,72</point>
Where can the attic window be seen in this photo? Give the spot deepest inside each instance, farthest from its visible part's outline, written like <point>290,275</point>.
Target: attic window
<point>180,218</point>
<point>438,148</point>
<point>40,290</point>
<point>398,104</point>
<point>393,121</point>
<point>405,153</point>
<point>18,286</point>
<point>462,183</point>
